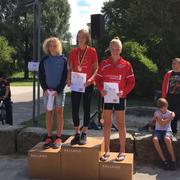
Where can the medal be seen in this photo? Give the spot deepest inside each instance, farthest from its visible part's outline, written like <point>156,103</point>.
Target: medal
<point>79,68</point>
<point>81,59</point>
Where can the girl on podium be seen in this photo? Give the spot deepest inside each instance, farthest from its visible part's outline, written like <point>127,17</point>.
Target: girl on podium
<point>52,77</point>
<point>115,79</point>
<point>83,64</point>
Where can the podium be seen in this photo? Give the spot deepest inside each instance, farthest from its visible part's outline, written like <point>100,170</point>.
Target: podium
<point>81,161</point>
<point>78,162</point>
<point>44,163</point>
<point>116,170</point>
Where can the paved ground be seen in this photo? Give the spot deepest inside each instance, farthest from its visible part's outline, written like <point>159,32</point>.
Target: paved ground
<point>15,167</point>
<point>22,103</point>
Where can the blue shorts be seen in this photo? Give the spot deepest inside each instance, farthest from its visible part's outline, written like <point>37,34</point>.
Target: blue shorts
<point>117,107</point>
<point>162,134</point>
<point>59,100</point>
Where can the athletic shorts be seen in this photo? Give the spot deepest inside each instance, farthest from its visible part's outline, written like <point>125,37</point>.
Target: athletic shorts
<point>117,107</point>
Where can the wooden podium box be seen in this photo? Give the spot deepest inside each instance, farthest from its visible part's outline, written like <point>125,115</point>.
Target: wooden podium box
<point>44,163</point>
<point>117,170</point>
<point>81,161</point>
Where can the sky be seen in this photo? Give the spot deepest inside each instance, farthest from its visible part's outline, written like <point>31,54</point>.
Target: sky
<point>81,11</point>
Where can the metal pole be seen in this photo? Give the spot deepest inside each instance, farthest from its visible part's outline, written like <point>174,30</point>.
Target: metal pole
<point>39,57</point>
<point>99,94</point>
<point>34,59</point>
<point>36,48</point>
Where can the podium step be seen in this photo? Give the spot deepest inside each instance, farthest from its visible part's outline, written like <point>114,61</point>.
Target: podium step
<point>78,162</point>
<point>44,163</point>
<point>117,170</point>
<point>81,161</point>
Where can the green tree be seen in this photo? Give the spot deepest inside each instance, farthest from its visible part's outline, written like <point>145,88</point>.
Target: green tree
<point>6,53</point>
<point>145,70</point>
<point>55,18</point>
<point>16,24</point>
<point>156,24</point>
<point>150,22</point>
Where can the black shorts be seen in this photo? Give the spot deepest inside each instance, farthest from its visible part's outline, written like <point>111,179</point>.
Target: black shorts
<point>117,107</point>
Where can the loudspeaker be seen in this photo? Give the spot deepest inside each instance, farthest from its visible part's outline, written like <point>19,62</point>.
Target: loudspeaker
<point>97,26</point>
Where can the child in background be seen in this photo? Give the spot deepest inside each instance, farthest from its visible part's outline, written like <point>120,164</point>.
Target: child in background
<point>163,132</point>
<point>171,91</point>
<point>5,95</point>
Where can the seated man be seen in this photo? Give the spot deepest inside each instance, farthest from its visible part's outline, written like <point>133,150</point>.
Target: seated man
<point>5,95</point>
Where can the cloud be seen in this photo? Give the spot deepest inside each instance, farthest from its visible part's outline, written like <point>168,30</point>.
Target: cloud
<point>81,11</point>
<point>82,3</point>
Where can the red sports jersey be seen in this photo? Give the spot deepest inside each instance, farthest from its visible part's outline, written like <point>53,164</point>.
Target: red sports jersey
<point>120,72</point>
<point>90,58</point>
<point>165,84</point>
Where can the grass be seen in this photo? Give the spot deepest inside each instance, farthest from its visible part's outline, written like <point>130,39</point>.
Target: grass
<point>28,82</point>
<point>17,79</point>
<point>20,75</point>
<point>68,124</point>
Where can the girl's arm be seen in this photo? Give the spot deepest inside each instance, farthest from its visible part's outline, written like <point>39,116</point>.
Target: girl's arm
<point>95,69</point>
<point>163,122</point>
<point>69,74</point>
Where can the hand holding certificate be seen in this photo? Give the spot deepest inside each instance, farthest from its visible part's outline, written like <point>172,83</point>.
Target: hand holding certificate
<point>77,81</point>
<point>112,89</point>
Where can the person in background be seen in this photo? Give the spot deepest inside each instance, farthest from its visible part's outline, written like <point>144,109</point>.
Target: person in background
<point>5,95</point>
<point>82,59</point>
<point>171,91</point>
<point>163,118</point>
<point>52,77</point>
<point>117,70</point>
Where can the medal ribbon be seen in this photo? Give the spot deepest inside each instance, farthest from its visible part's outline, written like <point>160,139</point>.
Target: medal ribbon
<point>81,59</point>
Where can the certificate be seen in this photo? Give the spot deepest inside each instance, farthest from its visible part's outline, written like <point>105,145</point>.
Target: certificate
<point>50,102</point>
<point>112,89</point>
<point>77,81</point>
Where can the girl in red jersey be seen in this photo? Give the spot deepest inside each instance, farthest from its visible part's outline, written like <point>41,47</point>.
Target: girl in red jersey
<point>82,59</point>
<point>119,71</point>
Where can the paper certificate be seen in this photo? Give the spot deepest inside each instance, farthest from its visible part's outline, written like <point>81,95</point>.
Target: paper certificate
<point>77,81</point>
<point>50,101</point>
<point>112,89</point>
